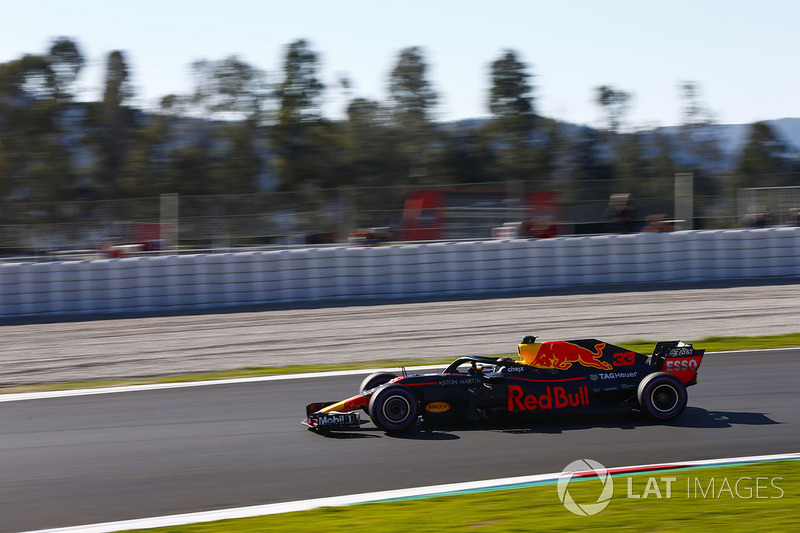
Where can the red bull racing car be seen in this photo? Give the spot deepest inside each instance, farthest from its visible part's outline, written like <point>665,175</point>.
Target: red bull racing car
<point>559,377</point>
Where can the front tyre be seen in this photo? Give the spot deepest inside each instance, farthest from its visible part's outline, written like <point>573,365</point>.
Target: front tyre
<point>375,380</point>
<point>393,408</point>
<point>662,396</point>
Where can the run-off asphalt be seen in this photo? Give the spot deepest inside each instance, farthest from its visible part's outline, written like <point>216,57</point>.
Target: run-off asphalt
<point>149,346</point>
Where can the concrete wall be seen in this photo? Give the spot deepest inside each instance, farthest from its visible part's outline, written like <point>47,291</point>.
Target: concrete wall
<point>390,272</point>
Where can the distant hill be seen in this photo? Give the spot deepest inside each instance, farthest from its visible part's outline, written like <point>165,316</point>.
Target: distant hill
<point>735,135</point>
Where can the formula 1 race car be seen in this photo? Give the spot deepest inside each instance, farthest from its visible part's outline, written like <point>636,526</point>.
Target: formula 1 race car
<point>559,377</point>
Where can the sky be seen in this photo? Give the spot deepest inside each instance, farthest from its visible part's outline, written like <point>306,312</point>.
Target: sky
<point>743,54</point>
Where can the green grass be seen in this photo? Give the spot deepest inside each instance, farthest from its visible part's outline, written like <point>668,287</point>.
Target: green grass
<point>539,509</point>
<point>223,374</point>
<point>711,344</point>
<point>722,344</point>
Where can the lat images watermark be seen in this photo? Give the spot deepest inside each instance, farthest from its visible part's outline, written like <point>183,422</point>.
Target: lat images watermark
<point>688,487</point>
<point>743,488</point>
<point>585,467</point>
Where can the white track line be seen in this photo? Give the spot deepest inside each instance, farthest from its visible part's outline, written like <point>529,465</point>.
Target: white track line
<point>187,384</point>
<point>18,397</point>
<point>434,490</point>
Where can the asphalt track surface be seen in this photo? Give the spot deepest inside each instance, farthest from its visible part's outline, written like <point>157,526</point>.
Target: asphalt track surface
<point>80,460</point>
<point>35,350</point>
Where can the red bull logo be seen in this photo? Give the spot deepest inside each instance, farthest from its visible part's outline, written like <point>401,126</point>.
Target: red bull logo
<point>553,398</point>
<point>561,355</point>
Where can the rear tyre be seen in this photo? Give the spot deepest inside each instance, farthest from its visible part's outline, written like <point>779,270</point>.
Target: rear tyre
<point>393,408</point>
<point>375,380</point>
<point>662,396</point>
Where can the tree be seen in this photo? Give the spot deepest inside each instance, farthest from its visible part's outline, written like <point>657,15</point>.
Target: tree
<point>301,90</point>
<point>615,104</point>
<point>630,166</point>
<point>589,172</point>
<point>229,89</point>
<point>660,182</point>
<point>234,93</point>
<point>510,99</point>
<point>762,159</point>
<point>189,172</point>
<point>116,120</point>
<point>702,153</point>
<point>511,103</point>
<point>118,90</point>
<point>549,153</point>
<point>299,95</point>
<point>35,162</point>
<point>368,144</point>
<point>467,156</point>
<point>412,102</point>
<point>412,95</point>
<point>66,62</point>
<point>623,148</point>
<point>34,78</point>
<point>240,165</point>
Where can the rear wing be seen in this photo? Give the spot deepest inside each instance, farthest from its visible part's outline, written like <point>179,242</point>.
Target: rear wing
<point>679,359</point>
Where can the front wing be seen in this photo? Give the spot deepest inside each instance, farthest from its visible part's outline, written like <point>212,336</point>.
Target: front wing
<point>335,415</point>
<point>333,420</point>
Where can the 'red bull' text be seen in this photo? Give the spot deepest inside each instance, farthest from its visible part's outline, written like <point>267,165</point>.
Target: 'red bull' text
<point>553,398</point>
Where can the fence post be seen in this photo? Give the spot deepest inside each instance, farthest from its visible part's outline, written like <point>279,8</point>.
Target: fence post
<point>684,200</point>
<point>168,229</point>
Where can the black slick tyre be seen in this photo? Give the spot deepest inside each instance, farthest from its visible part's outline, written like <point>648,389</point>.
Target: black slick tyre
<point>393,408</point>
<point>375,380</point>
<point>662,396</point>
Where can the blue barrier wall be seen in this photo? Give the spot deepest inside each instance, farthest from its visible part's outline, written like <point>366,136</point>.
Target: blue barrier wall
<point>391,272</point>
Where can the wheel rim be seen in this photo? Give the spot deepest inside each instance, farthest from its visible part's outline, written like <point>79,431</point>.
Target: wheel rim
<point>664,398</point>
<point>396,408</point>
